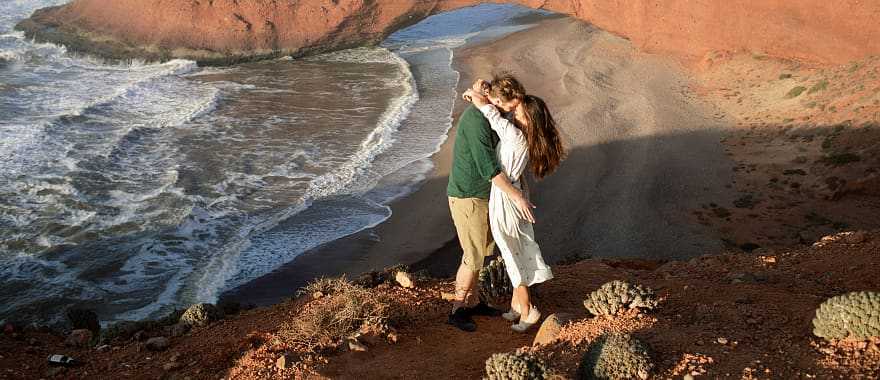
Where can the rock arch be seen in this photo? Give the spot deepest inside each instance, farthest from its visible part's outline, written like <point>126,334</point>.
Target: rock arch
<point>228,31</point>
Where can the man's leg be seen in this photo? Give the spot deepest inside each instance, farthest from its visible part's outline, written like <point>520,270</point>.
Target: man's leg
<point>471,218</point>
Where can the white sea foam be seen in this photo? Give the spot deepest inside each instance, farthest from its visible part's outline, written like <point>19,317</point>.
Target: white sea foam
<point>236,266</point>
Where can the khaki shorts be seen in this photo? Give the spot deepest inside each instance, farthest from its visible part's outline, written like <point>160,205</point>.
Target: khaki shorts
<point>471,218</point>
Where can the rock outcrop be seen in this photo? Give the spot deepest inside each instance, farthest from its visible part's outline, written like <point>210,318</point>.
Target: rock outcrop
<point>229,31</point>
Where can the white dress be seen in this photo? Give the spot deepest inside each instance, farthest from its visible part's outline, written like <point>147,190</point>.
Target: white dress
<point>514,235</point>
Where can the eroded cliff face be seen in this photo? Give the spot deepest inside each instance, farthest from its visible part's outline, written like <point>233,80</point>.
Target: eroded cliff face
<point>227,31</point>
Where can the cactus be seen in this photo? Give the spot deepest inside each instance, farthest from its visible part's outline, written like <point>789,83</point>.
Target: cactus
<point>614,295</point>
<point>495,287</point>
<point>853,315</point>
<point>616,356</point>
<point>201,314</point>
<point>515,366</point>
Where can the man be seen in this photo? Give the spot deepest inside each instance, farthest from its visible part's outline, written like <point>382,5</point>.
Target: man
<point>474,165</point>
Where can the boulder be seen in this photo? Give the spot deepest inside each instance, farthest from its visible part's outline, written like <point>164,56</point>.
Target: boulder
<point>551,327</point>
<point>158,343</point>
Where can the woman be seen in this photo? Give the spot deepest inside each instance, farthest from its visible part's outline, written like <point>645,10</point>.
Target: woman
<point>530,141</point>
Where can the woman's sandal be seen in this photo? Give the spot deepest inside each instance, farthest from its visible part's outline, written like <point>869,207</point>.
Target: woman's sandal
<point>533,318</point>
<point>512,315</point>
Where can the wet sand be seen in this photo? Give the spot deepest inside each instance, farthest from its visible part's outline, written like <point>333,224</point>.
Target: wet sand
<point>643,154</point>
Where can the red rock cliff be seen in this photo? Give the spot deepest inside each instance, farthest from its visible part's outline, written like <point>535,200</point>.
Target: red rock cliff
<point>225,31</point>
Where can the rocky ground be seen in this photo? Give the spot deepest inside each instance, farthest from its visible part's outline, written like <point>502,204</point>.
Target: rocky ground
<point>736,314</point>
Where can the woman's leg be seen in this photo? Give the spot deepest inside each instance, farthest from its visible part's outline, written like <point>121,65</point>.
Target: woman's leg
<point>521,295</point>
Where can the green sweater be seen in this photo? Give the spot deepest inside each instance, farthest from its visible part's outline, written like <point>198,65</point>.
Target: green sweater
<point>474,163</point>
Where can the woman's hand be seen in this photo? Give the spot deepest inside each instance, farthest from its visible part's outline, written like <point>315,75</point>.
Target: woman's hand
<point>475,97</point>
<point>481,86</point>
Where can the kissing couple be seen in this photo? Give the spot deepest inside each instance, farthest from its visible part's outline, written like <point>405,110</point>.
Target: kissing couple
<point>501,135</point>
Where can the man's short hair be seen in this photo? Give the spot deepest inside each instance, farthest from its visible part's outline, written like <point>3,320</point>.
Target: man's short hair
<point>507,87</point>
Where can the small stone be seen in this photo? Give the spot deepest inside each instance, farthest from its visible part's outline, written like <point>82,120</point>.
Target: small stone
<point>393,337</point>
<point>404,279</point>
<point>722,340</point>
<point>447,296</point>
<point>283,362</point>
<point>751,321</point>
<point>158,343</point>
<point>354,345</point>
<point>317,295</point>
<point>78,338</point>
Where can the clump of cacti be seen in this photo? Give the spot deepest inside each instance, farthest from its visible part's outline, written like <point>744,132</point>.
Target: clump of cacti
<point>515,366</point>
<point>613,296</point>
<point>495,285</point>
<point>616,356</point>
<point>853,315</point>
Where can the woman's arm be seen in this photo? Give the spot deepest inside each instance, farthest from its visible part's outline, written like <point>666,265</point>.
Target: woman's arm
<point>522,203</point>
<point>505,129</point>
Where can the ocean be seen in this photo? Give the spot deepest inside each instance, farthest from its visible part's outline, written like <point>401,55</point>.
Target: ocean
<point>135,188</point>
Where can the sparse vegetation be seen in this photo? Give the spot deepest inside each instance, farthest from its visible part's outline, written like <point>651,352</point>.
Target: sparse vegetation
<point>795,92</point>
<point>746,201</point>
<point>331,319</point>
<point>323,287</point>
<point>821,85</point>
<point>839,159</point>
<point>784,76</point>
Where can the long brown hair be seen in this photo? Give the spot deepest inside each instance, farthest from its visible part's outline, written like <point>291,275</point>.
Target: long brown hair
<point>545,147</point>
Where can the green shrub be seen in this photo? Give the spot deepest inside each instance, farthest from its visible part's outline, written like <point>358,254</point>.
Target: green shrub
<point>795,92</point>
<point>823,84</point>
<point>839,159</point>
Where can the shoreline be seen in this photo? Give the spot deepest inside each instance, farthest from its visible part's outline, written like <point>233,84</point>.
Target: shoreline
<point>625,190</point>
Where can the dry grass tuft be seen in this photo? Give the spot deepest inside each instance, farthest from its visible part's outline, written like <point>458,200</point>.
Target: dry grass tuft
<point>343,311</point>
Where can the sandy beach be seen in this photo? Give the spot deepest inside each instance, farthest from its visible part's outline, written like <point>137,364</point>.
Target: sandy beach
<point>642,155</point>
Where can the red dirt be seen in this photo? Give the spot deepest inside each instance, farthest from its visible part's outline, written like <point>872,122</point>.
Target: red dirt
<point>762,304</point>
<point>811,30</point>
